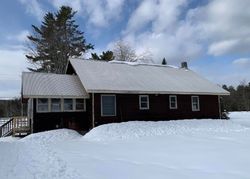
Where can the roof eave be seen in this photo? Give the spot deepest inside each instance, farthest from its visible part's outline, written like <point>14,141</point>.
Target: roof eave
<point>157,92</point>
<point>55,96</point>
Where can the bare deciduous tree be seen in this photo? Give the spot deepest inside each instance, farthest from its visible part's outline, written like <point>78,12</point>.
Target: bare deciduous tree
<point>123,52</point>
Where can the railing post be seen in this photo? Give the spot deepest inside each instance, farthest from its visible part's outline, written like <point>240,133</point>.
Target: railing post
<point>15,125</point>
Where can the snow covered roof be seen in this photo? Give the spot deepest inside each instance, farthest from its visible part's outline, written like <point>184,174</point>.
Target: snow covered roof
<point>36,85</point>
<point>117,77</point>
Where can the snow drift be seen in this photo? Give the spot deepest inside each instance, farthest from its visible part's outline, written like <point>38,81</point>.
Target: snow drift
<point>52,136</point>
<point>208,149</point>
<point>32,156</point>
<point>137,129</point>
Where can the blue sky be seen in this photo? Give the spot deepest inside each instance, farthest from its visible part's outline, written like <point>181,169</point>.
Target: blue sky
<point>212,35</point>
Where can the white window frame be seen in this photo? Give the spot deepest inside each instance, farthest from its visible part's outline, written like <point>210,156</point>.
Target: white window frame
<point>62,105</point>
<point>72,105</point>
<point>37,110</point>
<point>84,105</point>
<point>103,115</point>
<point>50,105</point>
<point>192,102</point>
<point>140,102</point>
<point>176,104</point>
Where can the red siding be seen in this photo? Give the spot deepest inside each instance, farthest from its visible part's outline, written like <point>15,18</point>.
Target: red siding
<point>127,109</point>
<point>127,106</point>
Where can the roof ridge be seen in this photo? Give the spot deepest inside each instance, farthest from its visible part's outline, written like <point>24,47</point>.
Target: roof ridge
<point>126,63</point>
<point>44,73</point>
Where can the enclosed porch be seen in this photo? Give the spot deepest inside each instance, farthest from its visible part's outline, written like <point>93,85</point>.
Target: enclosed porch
<point>56,101</point>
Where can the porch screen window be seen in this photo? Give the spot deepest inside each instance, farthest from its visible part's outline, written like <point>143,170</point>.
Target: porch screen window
<point>42,105</point>
<point>195,103</point>
<point>173,102</point>
<point>108,105</point>
<point>55,105</point>
<point>144,102</point>
<point>68,105</point>
<point>80,106</point>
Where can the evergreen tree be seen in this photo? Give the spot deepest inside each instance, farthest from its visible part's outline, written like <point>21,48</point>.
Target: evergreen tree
<point>55,41</point>
<point>94,56</point>
<point>2,110</point>
<point>239,98</point>
<point>105,56</point>
<point>164,62</point>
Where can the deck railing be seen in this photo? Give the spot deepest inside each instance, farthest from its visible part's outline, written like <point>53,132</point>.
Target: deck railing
<point>15,126</point>
<point>6,128</point>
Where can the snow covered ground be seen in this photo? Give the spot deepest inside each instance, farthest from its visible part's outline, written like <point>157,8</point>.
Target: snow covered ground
<point>207,149</point>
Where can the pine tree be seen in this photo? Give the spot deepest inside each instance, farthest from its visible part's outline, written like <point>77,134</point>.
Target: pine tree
<point>94,56</point>
<point>55,41</point>
<point>164,62</point>
<point>105,56</point>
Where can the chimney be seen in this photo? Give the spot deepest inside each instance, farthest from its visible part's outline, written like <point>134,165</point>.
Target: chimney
<point>184,65</point>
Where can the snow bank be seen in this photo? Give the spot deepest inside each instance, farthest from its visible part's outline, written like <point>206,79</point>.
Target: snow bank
<point>52,136</point>
<point>136,63</point>
<point>137,129</point>
<point>48,136</point>
<point>242,118</point>
<point>207,149</point>
<point>240,115</point>
<point>9,139</point>
<point>33,157</point>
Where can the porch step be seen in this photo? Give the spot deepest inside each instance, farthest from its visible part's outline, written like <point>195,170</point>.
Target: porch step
<point>16,126</point>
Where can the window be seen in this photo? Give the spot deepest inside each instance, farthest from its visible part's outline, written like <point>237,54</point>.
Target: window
<point>173,102</point>
<point>195,103</point>
<point>80,105</point>
<point>60,105</point>
<point>108,105</point>
<point>42,105</point>
<point>68,104</point>
<point>144,102</point>
<point>55,105</point>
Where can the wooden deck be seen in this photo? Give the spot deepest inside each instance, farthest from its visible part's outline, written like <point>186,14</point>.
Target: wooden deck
<point>15,126</point>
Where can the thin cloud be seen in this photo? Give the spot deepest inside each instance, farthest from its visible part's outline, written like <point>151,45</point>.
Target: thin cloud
<point>33,7</point>
<point>242,62</point>
<point>222,47</point>
<point>174,30</point>
<point>99,13</point>
<point>20,37</point>
<point>158,26</point>
<point>12,63</point>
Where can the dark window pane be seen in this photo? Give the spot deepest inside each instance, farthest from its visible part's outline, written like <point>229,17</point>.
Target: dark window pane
<point>68,105</point>
<point>144,102</point>
<point>144,105</point>
<point>195,99</point>
<point>173,105</point>
<point>108,105</point>
<point>195,103</point>
<point>173,102</point>
<point>79,104</point>
<point>144,99</point>
<point>55,105</point>
<point>42,105</point>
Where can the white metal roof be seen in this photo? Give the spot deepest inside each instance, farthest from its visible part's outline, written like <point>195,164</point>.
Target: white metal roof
<point>106,77</point>
<point>38,85</point>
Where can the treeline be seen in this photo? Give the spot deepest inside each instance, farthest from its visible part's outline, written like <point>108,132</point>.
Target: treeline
<point>11,107</point>
<point>239,99</point>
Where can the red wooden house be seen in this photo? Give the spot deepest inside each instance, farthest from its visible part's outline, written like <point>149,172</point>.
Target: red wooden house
<point>92,93</point>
